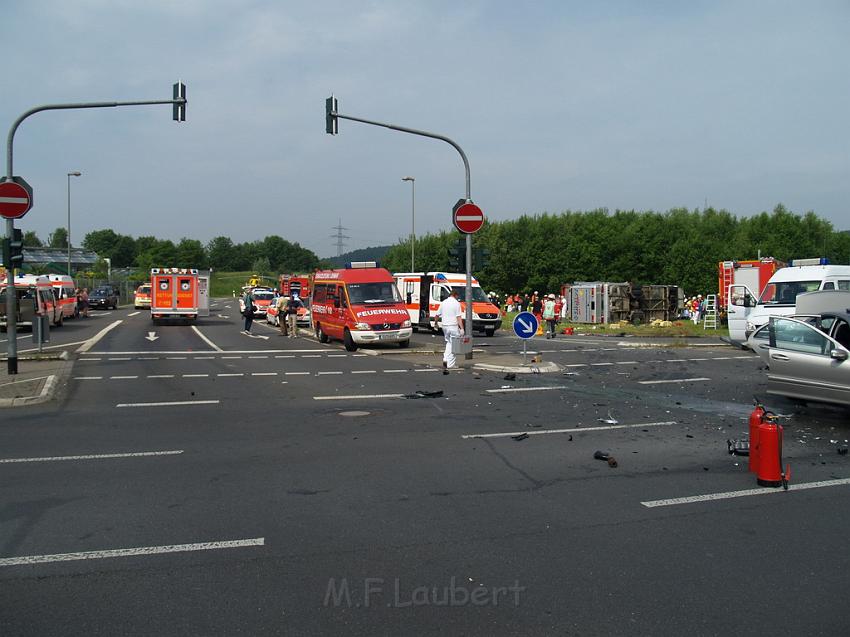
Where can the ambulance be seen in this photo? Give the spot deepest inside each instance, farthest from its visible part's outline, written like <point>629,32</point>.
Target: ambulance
<point>422,294</point>
<point>748,311</point>
<point>174,295</point>
<point>35,298</point>
<point>358,305</point>
<point>66,294</point>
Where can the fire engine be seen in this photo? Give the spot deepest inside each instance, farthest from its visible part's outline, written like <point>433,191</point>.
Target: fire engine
<point>422,294</point>
<point>174,294</point>
<point>297,284</point>
<point>754,274</point>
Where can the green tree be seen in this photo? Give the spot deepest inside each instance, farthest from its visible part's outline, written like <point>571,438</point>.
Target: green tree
<point>31,240</point>
<point>221,253</point>
<point>58,238</point>
<point>100,241</point>
<point>190,253</point>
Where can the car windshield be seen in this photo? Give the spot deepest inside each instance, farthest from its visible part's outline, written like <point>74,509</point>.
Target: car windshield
<point>785,292</point>
<point>370,293</point>
<point>100,293</point>
<point>478,295</point>
<point>263,296</point>
<point>145,289</point>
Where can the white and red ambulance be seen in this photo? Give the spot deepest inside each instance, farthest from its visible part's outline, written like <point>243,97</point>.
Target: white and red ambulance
<point>35,298</point>
<point>359,305</point>
<point>66,294</point>
<point>174,294</point>
<point>423,292</point>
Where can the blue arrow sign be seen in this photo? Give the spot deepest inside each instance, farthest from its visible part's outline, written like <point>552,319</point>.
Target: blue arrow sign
<point>525,325</point>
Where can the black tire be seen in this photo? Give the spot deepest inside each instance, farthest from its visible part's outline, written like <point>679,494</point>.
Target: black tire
<point>489,333</point>
<point>320,334</point>
<point>60,321</point>
<point>350,345</point>
<point>403,344</point>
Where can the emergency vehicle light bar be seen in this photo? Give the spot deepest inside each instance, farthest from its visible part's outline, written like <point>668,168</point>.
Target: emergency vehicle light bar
<point>173,271</point>
<point>358,265</point>
<point>816,261</point>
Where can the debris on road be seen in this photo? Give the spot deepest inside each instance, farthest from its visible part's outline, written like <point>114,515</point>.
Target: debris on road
<point>738,447</point>
<point>425,394</point>
<point>520,437</point>
<point>510,376</point>
<point>842,451</point>
<point>610,420</point>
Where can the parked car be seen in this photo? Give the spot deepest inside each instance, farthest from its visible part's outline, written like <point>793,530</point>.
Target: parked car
<point>103,298</point>
<point>142,298</point>
<point>807,356</point>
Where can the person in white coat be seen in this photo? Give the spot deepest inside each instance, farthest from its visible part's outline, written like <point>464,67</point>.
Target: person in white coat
<point>450,316</point>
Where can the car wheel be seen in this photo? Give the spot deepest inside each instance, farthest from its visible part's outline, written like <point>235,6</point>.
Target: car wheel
<point>490,333</point>
<point>403,344</point>
<point>320,334</point>
<point>350,345</point>
<point>60,321</point>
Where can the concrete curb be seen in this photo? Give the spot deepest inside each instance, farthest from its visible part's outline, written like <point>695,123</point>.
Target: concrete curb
<point>48,390</point>
<point>534,368</point>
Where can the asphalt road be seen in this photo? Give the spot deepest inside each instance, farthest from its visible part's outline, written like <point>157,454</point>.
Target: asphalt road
<point>294,491</point>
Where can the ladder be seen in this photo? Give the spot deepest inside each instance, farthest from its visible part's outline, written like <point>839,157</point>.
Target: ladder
<point>728,270</point>
<point>710,318</point>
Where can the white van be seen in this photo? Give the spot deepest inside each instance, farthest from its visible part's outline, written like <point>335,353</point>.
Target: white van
<point>747,312</point>
<point>65,291</point>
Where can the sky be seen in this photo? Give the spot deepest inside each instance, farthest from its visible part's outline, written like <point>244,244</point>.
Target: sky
<point>561,105</point>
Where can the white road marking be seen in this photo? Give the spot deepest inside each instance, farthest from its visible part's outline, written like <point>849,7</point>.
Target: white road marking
<point>744,493</point>
<point>365,371</point>
<point>424,369</point>
<point>395,371</point>
<point>230,374</point>
<point>739,358</point>
<point>26,380</point>
<point>516,389</point>
<point>148,358</point>
<point>311,356</point>
<point>204,358</point>
<point>573,430</point>
<point>195,352</point>
<point>337,355</point>
<point>91,359</point>
<point>577,365</point>
<point>230,357</point>
<point>88,377</point>
<point>205,339</point>
<point>152,336</point>
<point>161,376</point>
<point>296,373</point>
<point>359,396</point>
<point>674,380</point>
<point>675,360</point>
<point>699,359</point>
<point>195,375</point>
<point>258,357</point>
<point>723,358</point>
<point>627,363</point>
<point>359,355</point>
<point>85,347</point>
<point>98,456</point>
<point>119,359</point>
<point>600,364</point>
<point>285,356</point>
<point>263,373</point>
<point>122,377</point>
<point>133,313</point>
<point>326,373</point>
<point>175,358</point>
<point>141,550</point>
<point>177,403</point>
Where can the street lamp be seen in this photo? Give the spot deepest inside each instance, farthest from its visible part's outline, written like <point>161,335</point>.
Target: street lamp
<point>412,181</point>
<point>76,173</point>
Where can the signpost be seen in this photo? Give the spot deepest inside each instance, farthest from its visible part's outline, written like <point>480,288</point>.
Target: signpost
<point>467,217</point>
<point>525,327</point>
<point>15,198</point>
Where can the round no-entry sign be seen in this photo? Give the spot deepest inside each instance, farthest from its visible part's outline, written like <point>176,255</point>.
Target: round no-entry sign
<point>15,199</point>
<point>468,217</point>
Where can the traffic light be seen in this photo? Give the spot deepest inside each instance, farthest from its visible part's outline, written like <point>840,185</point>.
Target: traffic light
<point>178,112</point>
<point>16,249</point>
<point>457,256</point>
<point>331,121</point>
<point>480,259</point>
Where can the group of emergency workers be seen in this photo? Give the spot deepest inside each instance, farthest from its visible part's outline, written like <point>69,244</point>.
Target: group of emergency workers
<point>286,307</point>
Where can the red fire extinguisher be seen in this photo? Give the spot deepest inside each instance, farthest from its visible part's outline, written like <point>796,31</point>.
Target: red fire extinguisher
<point>769,454</point>
<point>756,419</point>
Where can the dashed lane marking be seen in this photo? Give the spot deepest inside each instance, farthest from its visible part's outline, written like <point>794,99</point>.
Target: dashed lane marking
<point>122,377</point>
<point>600,364</point>
<point>263,373</point>
<point>195,375</point>
<point>119,359</point>
<point>133,313</point>
<point>365,371</point>
<point>177,403</point>
<point>234,374</point>
<point>396,371</point>
<point>571,430</point>
<point>744,493</point>
<point>296,373</point>
<point>98,456</point>
<point>355,397</point>
<point>327,373</point>
<point>672,380</point>
<point>507,390</point>
<point>137,551</point>
<point>88,377</point>
<point>161,376</point>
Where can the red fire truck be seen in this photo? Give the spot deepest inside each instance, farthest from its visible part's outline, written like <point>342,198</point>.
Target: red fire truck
<point>290,284</point>
<point>754,274</point>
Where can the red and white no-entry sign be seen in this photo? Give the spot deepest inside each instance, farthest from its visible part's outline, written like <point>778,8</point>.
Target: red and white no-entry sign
<point>15,198</point>
<point>467,217</point>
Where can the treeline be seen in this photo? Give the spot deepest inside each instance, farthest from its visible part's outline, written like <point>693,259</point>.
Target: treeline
<point>678,247</point>
<point>271,255</point>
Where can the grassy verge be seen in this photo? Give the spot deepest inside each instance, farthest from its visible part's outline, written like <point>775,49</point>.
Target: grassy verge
<point>678,328</point>
<point>228,283</point>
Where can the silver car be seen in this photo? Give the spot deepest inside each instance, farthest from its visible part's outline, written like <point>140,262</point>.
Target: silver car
<point>807,356</point>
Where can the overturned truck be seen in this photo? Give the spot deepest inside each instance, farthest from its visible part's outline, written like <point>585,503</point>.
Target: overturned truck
<point>603,302</point>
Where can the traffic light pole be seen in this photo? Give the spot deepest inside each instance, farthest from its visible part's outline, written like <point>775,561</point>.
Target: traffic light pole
<point>413,131</point>
<point>179,103</point>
